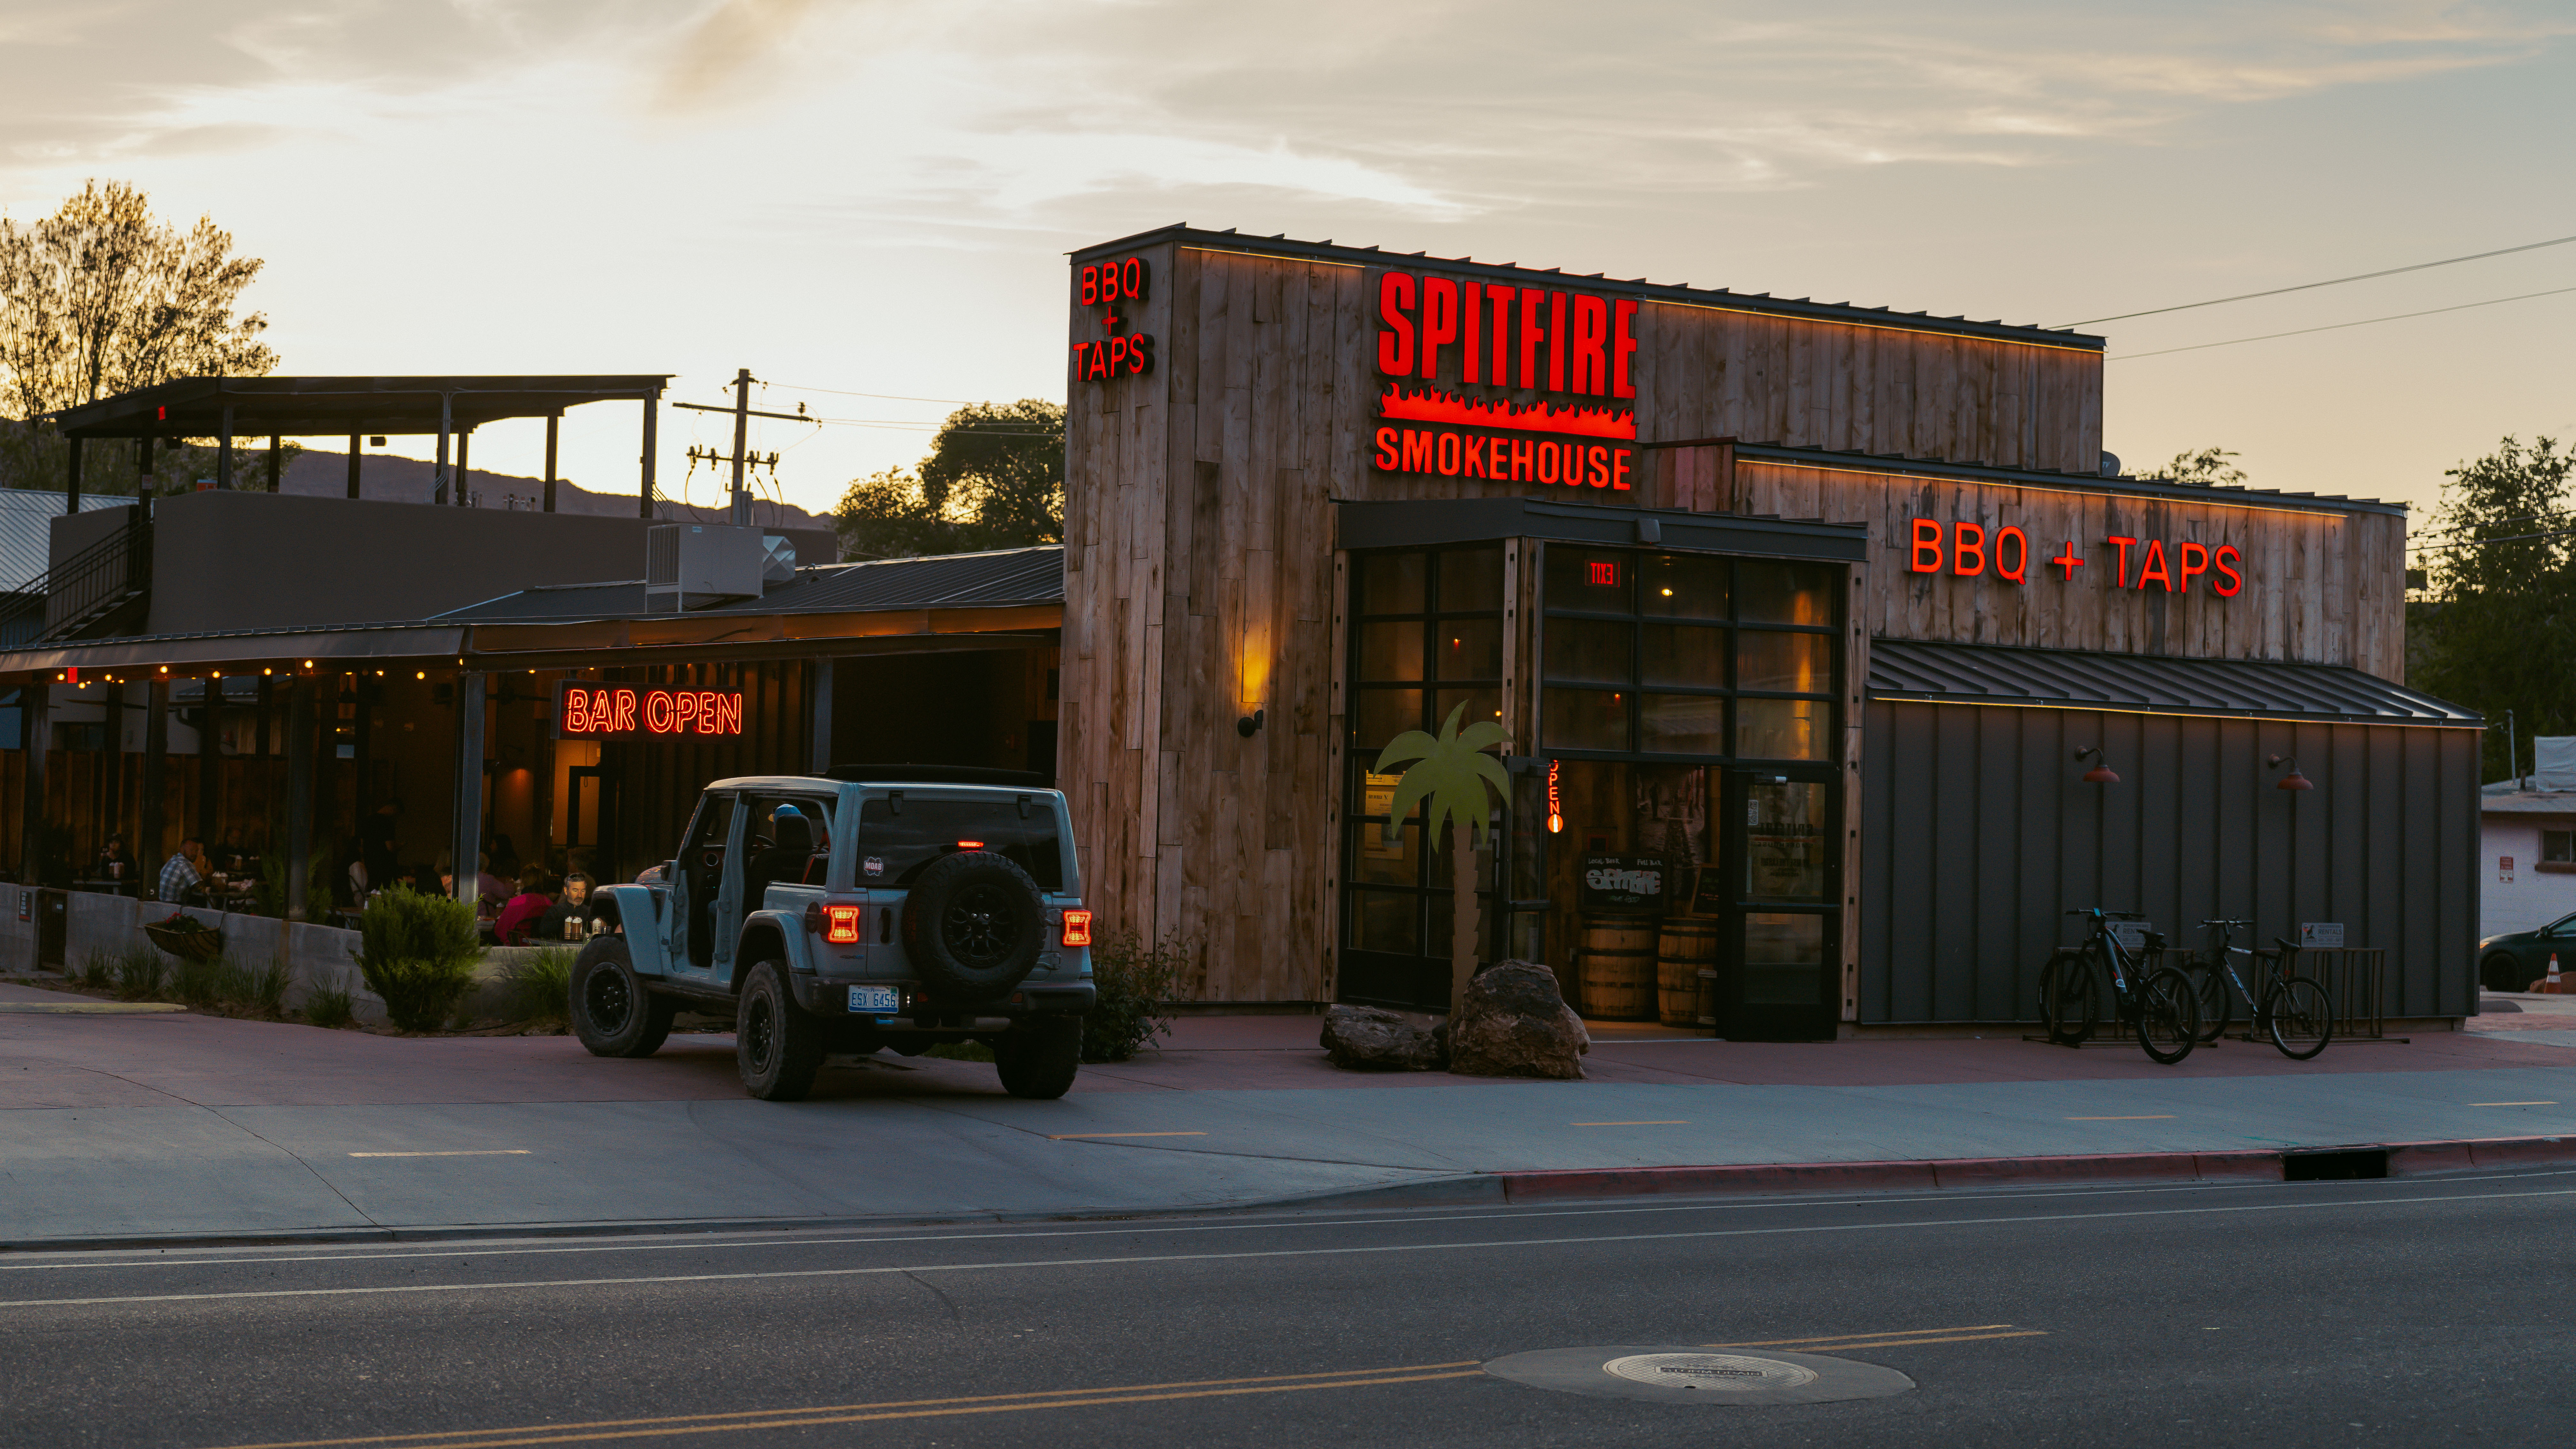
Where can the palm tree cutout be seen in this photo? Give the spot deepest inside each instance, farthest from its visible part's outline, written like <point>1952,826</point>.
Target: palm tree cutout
<point>1452,772</point>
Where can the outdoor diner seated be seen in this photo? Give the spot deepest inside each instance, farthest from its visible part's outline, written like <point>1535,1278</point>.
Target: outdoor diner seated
<point>184,871</point>
<point>525,908</point>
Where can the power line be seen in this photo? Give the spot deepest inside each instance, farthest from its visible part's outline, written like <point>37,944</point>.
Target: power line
<point>2331,282</point>
<point>2339,326</point>
<point>887,396</point>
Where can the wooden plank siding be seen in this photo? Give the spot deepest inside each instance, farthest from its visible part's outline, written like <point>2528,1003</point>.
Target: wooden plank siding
<point>1202,580</point>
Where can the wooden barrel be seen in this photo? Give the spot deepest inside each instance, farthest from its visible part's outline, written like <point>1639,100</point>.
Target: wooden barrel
<point>1617,964</point>
<point>1683,950</point>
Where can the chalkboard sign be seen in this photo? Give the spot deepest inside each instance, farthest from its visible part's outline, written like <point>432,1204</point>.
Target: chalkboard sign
<point>1623,883</point>
<point>1708,890</point>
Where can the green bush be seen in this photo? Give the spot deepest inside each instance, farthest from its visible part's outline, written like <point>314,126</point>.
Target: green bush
<point>139,973</point>
<point>541,985</point>
<point>268,897</point>
<point>329,1006</point>
<point>200,983</point>
<point>98,971</point>
<point>260,988</point>
<point>418,953</point>
<point>1136,982</point>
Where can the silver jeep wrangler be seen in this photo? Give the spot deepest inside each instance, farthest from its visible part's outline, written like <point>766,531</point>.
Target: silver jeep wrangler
<point>876,906</point>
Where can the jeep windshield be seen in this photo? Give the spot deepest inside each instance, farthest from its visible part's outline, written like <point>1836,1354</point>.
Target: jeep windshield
<point>900,835</point>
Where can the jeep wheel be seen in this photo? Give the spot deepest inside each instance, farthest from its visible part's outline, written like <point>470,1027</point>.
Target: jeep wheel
<point>777,1044</point>
<point>1039,1057</point>
<point>611,1011</point>
<point>973,926</point>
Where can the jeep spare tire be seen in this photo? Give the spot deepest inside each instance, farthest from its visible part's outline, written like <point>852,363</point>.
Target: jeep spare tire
<point>973,926</point>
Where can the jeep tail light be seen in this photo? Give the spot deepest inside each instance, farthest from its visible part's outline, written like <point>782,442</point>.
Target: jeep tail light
<point>841,925</point>
<point>970,845</point>
<point>1077,928</point>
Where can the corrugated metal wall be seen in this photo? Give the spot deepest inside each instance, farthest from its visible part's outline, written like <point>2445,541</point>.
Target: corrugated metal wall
<point>1978,831</point>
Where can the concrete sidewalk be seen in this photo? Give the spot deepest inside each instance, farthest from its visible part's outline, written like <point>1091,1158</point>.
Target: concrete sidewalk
<point>178,1125</point>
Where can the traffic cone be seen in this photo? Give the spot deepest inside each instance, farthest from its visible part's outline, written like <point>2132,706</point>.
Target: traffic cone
<point>2553,985</point>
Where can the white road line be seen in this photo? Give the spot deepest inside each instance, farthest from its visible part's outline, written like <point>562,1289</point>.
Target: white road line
<point>790,1237</point>
<point>785,1273</point>
<point>484,1152</point>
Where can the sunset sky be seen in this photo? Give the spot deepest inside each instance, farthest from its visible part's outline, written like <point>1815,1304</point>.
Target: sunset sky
<point>875,198</point>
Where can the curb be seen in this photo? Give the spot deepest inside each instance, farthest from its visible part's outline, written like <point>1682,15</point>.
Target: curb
<point>2361,1160</point>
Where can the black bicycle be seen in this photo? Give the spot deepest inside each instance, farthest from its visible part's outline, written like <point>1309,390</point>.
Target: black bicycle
<point>2158,1006</point>
<point>2295,1013</point>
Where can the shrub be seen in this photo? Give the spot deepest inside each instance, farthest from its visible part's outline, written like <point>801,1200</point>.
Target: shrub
<point>329,1006</point>
<point>418,953</point>
<point>268,897</point>
<point>139,973</point>
<point>98,971</point>
<point>541,985</point>
<point>201,983</point>
<point>1136,982</point>
<point>260,988</point>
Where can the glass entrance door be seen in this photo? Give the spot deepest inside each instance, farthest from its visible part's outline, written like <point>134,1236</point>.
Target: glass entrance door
<point>1778,873</point>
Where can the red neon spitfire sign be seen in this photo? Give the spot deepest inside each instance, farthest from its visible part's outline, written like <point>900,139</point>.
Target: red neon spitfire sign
<point>1436,334</point>
<point>643,712</point>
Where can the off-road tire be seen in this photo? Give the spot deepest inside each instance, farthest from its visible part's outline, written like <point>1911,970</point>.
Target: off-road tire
<point>778,1045</point>
<point>973,927</point>
<point>1039,1058</point>
<point>611,1011</point>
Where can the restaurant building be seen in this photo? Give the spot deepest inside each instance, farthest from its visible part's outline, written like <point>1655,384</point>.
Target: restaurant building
<point>1835,658</point>
<point>1832,650</point>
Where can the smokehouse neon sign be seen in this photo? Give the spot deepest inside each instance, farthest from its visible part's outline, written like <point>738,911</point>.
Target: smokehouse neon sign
<point>1509,339</point>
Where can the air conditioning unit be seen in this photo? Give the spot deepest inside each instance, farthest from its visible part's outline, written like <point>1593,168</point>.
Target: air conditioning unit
<point>693,565</point>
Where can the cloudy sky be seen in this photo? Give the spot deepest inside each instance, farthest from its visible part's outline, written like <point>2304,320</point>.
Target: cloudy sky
<point>857,197</point>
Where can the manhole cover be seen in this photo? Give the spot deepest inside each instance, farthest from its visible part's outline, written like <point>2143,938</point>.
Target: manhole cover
<point>1729,1371</point>
<point>1674,1373</point>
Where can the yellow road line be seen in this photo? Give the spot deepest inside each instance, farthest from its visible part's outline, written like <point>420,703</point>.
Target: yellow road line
<point>904,1408</point>
<point>2157,1117</point>
<point>1070,1136</point>
<point>1841,1337</point>
<point>1675,1123</point>
<point>2513,1104</point>
<point>485,1152</point>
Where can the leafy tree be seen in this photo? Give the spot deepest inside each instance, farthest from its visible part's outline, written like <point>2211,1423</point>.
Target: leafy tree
<point>2207,466</point>
<point>994,478</point>
<point>100,298</point>
<point>2497,627</point>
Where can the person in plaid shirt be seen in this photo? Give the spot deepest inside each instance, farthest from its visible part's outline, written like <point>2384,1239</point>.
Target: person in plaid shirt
<point>181,873</point>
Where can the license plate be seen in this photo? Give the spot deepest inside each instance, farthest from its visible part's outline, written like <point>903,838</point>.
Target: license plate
<point>874,1001</point>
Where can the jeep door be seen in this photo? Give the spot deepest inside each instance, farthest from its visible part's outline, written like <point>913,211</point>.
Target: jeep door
<point>706,890</point>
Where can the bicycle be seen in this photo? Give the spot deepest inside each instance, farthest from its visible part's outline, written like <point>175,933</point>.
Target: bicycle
<point>2296,1013</point>
<point>2160,1008</point>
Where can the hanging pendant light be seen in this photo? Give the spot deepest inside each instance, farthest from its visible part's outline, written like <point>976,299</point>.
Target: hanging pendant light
<point>2293,780</point>
<point>2101,773</point>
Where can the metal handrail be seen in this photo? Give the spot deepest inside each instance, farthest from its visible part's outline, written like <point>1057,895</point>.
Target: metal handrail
<point>78,590</point>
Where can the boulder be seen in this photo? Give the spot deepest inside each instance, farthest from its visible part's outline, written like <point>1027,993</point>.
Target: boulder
<point>1514,1023</point>
<point>1367,1039</point>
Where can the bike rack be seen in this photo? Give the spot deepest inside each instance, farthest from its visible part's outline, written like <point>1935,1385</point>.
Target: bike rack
<point>2356,977</point>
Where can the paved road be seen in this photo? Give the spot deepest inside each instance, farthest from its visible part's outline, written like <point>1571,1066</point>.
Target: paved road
<point>2361,1313</point>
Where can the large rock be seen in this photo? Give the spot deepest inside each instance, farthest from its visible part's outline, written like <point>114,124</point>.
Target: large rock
<point>1367,1039</point>
<point>1515,1024</point>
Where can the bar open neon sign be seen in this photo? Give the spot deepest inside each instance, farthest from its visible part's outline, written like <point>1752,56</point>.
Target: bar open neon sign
<point>643,712</point>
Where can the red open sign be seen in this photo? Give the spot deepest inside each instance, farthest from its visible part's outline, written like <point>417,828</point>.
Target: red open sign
<point>585,711</point>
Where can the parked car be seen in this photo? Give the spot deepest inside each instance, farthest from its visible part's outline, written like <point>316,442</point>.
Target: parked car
<point>2514,960</point>
<point>867,909</point>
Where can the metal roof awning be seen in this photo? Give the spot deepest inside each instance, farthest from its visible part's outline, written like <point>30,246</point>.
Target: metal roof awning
<point>1988,674</point>
<point>195,407</point>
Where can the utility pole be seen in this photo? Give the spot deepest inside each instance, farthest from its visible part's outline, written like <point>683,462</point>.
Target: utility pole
<point>739,511</point>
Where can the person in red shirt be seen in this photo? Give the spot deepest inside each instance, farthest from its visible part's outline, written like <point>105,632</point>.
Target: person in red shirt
<point>532,901</point>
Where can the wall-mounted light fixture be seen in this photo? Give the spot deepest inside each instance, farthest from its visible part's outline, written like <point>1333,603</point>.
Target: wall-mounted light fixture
<point>2293,780</point>
<point>2100,774</point>
<point>1250,724</point>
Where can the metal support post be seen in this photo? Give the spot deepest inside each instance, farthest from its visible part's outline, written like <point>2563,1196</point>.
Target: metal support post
<point>644,499</point>
<point>224,454</point>
<point>739,514</point>
<point>299,796</point>
<point>35,729</point>
<point>554,423</point>
<point>72,476</point>
<point>469,783</point>
<point>114,804</point>
<point>210,763</point>
<point>818,677</point>
<point>152,812</point>
<point>464,469</point>
<point>353,464</point>
<point>276,464</point>
<point>438,479</point>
